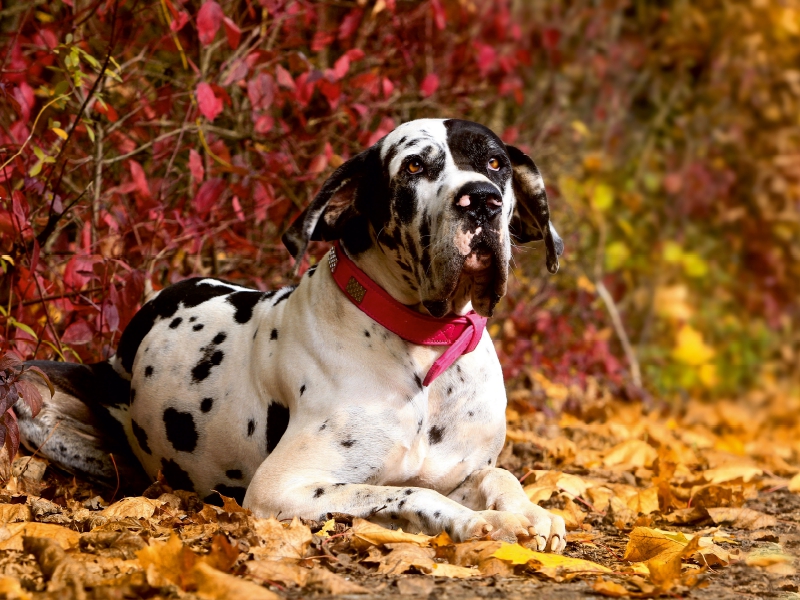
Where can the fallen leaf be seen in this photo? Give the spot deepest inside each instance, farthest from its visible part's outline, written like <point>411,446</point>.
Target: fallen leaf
<point>376,535</point>
<point>453,571</point>
<point>631,454</point>
<point>221,586</point>
<point>326,582</point>
<point>168,561</point>
<point>742,518</point>
<point>794,484</point>
<point>10,513</point>
<point>646,543</point>
<point>281,541</point>
<point>327,527</point>
<point>13,533</point>
<point>135,507</point>
<point>729,473</point>
<point>612,589</point>
<point>554,566</point>
<point>288,572</point>
<point>11,589</point>
<point>402,556</point>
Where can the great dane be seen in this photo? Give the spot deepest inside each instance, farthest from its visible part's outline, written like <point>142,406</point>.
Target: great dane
<point>371,388</point>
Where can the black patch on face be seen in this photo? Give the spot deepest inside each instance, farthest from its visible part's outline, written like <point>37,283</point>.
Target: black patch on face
<point>148,371</point>
<point>405,203</point>
<point>176,477</point>
<point>141,436</point>
<point>251,427</point>
<point>435,435</point>
<point>188,293</point>
<point>302,389</point>
<point>197,327</point>
<point>472,145</point>
<point>418,380</point>
<point>274,334</point>
<point>233,474</point>
<point>243,302</point>
<point>175,322</point>
<point>319,492</point>
<point>181,431</point>
<point>236,492</point>
<point>211,358</point>
<point>277,422</point>
<point>206,404</point>
<point>348,443</point>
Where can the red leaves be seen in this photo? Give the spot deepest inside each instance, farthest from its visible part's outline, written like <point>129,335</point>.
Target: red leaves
<point>196,165</point>
<point>209,18</point>
<point>209,104</point>
<point>208,195</point>
<point>12,389</point>
<point>232,32</point>
<point>139,178</point>
<point>261,91</point>
<point>429,85</point>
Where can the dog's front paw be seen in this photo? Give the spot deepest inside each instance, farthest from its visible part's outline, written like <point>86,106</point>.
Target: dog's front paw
<point>533,524</point>
<point>547,530</point>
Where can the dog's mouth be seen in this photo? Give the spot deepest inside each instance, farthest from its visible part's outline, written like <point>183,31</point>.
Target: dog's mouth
<point>480,259</point>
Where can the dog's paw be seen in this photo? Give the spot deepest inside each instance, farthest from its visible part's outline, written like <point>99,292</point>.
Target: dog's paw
<point>531,526</point>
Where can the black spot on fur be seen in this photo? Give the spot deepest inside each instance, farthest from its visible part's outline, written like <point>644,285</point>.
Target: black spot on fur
<point>418,379</point>
<point>192,319</point>
<point>244,301</point>
<point>318,492</point>
<point>197,327</point>
<point>471,413</point>
<point>236,492</point>
<point>277,422</point>
<point>141,436</point>
<point>148,371</point>
<point>401,503</point>
<point>211,358</point>
<point>188,293</point>
<point>206,404</point>
<point>233,474</point>
<point>348,443</point>
<point>435,434</point>
<point>181,431</point>
<point>302,389</point>
<point>219,338</point>
<point>366,333</point>
<point>488,462</point>
<point>274,334</point>
<point>176,477</point>
<point>437,514</point>
<point>394,516</point>
<point>284,294</point>
<point>450,390</point>
<point>323,426</point>
<point>175,322</point>
<point>251,427</point>
<point>339,484</point>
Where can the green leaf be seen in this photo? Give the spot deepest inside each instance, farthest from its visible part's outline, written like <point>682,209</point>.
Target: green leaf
<point>38,152</point>
<point>23,327</point>
<point>35,169</point>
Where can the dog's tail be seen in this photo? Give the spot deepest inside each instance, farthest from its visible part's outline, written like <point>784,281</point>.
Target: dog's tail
<point>83,428</point>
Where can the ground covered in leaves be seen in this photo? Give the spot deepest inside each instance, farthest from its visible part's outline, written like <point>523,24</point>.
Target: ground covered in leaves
<point>702,502</point>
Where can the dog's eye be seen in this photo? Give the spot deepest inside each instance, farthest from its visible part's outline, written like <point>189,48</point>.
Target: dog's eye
<point>414,166</point>
<point>494,164</point>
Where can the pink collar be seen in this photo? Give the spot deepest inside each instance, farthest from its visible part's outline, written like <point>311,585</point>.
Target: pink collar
<point>462,334</point>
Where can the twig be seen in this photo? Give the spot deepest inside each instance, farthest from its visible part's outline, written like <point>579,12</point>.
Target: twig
<point>616,320</point>
<point>114,462</point>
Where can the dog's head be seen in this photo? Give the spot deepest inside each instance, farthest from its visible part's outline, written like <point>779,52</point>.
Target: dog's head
<point>439,201</point>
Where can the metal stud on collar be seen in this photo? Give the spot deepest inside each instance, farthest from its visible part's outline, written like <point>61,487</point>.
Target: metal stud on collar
<point>333,260</point>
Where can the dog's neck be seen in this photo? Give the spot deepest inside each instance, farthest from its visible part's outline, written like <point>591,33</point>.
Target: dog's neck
<point>383,269</point>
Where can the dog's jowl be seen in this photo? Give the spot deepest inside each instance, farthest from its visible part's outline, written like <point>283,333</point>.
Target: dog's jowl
<point>371,388</point>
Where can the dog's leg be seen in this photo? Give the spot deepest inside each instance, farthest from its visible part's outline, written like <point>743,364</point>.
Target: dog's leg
<point>81,427</point>
<point>495,489</point>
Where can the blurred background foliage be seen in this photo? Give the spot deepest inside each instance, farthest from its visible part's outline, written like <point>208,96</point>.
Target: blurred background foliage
<point>667,133</point>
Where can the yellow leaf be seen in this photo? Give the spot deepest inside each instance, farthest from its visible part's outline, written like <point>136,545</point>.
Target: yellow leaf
<point>60,132</point>
<point>602,197</point>
<point>327,527</point>
<point>551,565</point>
<point>672,302</point>
<point>672,252</point>
<point>617,253</point>
<point>281,541</point>
<point>742,518</point>
<point>794,484</point>
<point>580,128</point>
<point>168,561</point>
<point>646,543</point>
<point>631,454</point>
<point>134,507</point>
<point>729,473</point>
<point>10,588</point>
<point>690,349</point>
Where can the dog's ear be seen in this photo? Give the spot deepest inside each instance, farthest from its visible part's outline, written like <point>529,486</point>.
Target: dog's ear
<point>531,218</point>
<point>336,206</point>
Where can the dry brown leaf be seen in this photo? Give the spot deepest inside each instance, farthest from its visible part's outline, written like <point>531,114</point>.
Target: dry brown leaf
<point>451,571</point>
<point>281,541</point>
<point>223,554</point>
<point>326,582</point>
<point>133,507</point>
<point>11,589</point>
<point>13,533</point>
<point>12,513</point>
<point>646,543</point>
<point>573,516</point>
<point>742,518</point>
<point>604,587</point>
<point>639,501</point>
<point>717,495</point>
<point>168,562</point>
<point>283,571</point>
<point>403,556</point>
<point>631,454</point>
<point>559,448</point>
<point>683,516</point>
<point>731,473</point>
<point>376,535</point>
<point>554,566</point>
<point>217,585</point>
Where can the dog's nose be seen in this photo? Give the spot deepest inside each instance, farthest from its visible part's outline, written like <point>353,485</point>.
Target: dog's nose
<point>480,200</point>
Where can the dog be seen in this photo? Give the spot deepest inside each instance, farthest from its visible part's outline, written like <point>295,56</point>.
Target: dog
<point>371,388</point>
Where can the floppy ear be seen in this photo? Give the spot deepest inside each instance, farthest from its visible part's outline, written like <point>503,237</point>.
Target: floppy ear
<point>530,220</point>
<point>336,206</point>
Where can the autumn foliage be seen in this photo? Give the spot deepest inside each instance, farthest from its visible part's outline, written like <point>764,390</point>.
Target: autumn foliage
<point>144,142</point>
